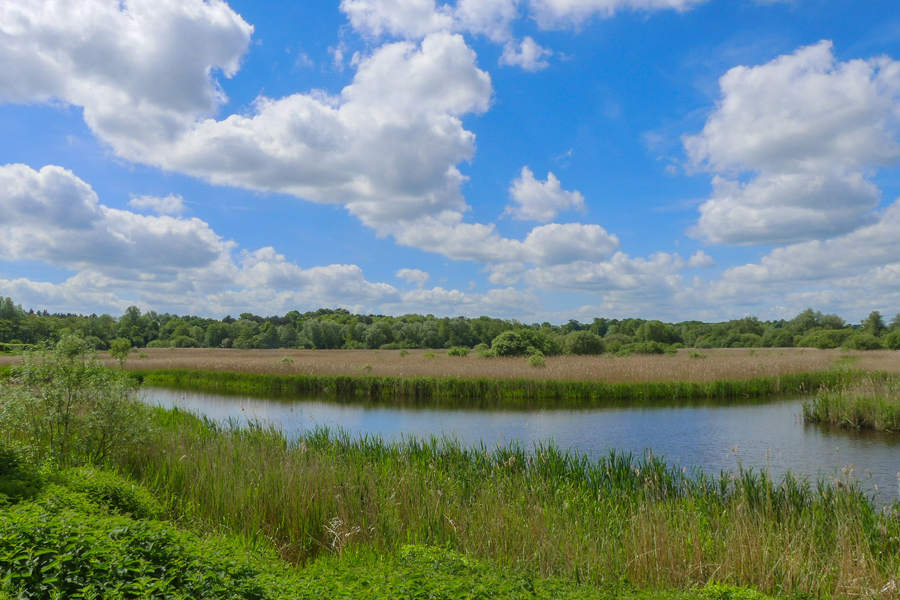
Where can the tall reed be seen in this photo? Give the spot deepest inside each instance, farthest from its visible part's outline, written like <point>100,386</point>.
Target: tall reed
<point>619,518</point>
<point>510,391</point>
<point>870,403</point>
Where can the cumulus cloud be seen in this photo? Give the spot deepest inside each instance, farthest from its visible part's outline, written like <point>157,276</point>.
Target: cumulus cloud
<point>144,68</point>
<point>566,13</point>
<point>541,200</point>
<point>416,276</point>
<point>170,205</point>
<point>53,216</point>
<point>526,54</point>
<point>808,130</point>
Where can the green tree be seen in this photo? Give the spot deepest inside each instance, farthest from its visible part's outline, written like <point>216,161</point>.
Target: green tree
<point>874,324</point>
<point>66,407</point>
<point>119,349</point>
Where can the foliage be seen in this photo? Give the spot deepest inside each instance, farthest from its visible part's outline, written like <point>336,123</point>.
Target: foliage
<point>17,481</point>
<point>584,342</point>
<point>119,349</point>
<point>63,405</point>
<point>862,341</point>
<point>537,361</point>
<point>892,340</point>
<point>458,351</point>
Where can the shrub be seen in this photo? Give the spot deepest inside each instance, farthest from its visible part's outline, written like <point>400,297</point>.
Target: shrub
<point>537,361</point>
<point>824,339</point>
<point>62,404</point>
<point>517,342</point>
<point>428,355</point>
<point>583,342</point>
<point>863,341</point>
<point>17,481</point>
<point>162,344</point>
<point>184,341</point>
<point>112,491</point>
<point>892,340</point>
<point>458,351</point>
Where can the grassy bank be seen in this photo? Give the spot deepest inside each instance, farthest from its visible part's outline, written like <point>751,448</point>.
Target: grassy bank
<point>872,402</point>
<point>619,519</point>
<point>476,391</point>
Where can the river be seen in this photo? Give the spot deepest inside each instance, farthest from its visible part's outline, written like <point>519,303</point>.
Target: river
<point>764,434</point>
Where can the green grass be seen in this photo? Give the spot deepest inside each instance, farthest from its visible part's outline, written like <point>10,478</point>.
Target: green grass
<point>870,403</point>
<point>93,534</point>
<point>550,513</point>
<point>477,392</point>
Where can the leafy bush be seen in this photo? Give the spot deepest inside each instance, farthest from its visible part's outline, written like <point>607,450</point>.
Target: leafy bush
<point>892,340</point>
<point>63,405</point>
<point>113,492</point>
<point>824,339</point>
<point>184,341</point>
<point>17,481</point>
<point>458,351</point>
<point>537,361</point>
<point>862,341</point>
<point>517,343</point>
<point>583,342</point>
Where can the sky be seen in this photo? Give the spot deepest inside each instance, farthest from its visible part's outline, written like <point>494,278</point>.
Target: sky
<point>541,160</point>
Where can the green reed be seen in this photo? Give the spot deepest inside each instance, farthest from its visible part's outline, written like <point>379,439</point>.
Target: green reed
<point>618,518</point>
<point>478,391</point>
<point>872,402</point>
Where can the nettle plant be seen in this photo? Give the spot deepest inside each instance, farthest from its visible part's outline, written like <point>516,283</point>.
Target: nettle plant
<point>63,406</point>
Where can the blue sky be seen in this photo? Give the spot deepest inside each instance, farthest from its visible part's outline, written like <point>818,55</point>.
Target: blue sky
<point>529,159</point>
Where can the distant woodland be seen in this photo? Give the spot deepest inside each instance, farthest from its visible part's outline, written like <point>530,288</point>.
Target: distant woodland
<point>338,328</point>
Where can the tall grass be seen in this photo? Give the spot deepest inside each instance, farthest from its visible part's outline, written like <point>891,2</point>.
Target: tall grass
<point>870,403</point>
<point>620,518</point>
<point>504,391</point>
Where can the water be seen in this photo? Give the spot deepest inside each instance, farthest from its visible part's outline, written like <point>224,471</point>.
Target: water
<point>764,434</point>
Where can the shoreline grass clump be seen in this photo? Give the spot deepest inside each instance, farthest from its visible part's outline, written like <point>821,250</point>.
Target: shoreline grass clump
<point>475,392</point>
<point>544,510</point>
<point>869,403</point>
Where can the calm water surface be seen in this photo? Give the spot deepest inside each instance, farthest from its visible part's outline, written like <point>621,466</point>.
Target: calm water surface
<point>768,434</point>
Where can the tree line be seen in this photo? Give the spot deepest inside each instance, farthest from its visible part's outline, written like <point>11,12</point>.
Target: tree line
<point>339,329</point>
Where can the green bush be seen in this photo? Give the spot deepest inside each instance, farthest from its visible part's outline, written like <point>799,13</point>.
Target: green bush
<point>892,340</point>
<point>583,342</point>
<point>863,341</point>
<point>184,341</point>
<point>458,351</point>
<point>517,343</point>
<point>113,492</point>
<point>824,339</point>
<point>17,481</point>
<point>537,361</point>
<point>64,406</point>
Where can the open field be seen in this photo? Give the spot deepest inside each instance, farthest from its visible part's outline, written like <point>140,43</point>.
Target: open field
<point>719,364</point>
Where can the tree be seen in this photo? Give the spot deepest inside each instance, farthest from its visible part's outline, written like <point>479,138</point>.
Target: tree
<point>874,324</point>
<point>119,349</point>
<point>70,409</point>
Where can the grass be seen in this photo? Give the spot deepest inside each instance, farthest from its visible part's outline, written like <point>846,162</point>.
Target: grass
<point>719,364</point>
<point>89,533</point>
<point>870,403</point>
<point>543,511</point>
<point>490,392</point>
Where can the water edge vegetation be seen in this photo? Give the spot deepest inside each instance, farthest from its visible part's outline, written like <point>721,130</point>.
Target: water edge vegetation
<point>200,509</point>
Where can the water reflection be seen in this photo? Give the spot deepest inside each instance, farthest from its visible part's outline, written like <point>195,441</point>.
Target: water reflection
<point>716,435</point>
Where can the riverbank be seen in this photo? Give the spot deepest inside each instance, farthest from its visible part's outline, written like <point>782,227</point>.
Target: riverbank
<point>870,402</point>
<point>461,391</point>
<point>545,511</point>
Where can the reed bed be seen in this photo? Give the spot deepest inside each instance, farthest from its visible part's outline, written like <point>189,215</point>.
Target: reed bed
<point>728,363</point>
<point>489,392</point>
<point>620,518</point>
<point>870,403</point>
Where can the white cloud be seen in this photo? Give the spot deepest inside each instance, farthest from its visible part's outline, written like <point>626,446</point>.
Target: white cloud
<point>541,200</point>
<point>142,68</point>
<point>657,275</point>
<point>527,54</point>
<point>408,19</point>
<point>785,207</point>
<point>545,245</point>
<point>53,216</point>
<point>566,13</point>
<point>701,260</point>
<point>416,276</point>
<point>170,205</point>
<point>809,130</point>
